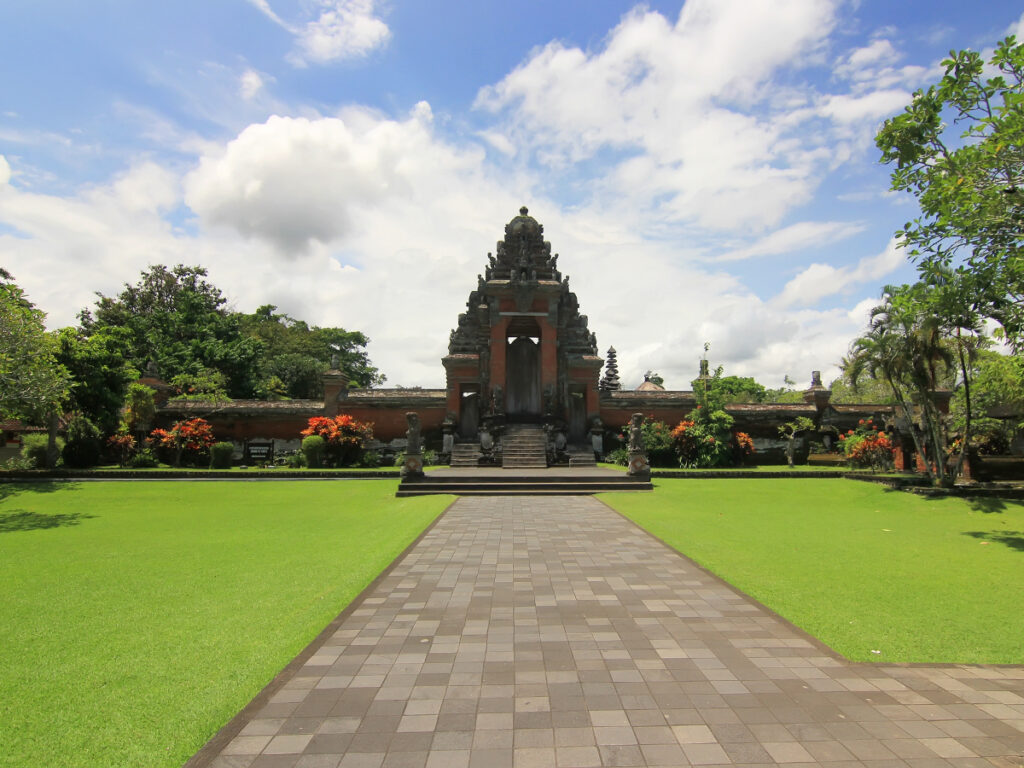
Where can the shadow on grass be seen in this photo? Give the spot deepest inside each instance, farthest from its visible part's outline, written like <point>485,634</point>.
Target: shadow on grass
<point>23,520</point>
<point>1012,539</point>
<point>9,489</point>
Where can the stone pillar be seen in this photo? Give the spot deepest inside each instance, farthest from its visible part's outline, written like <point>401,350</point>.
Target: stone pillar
<point>335,389</point>
<point>639,468</point>
<point>412,469</point>
<point>816,394</point>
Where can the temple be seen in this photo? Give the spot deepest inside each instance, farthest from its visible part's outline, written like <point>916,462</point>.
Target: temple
<point>523,384</point>
<point>522,352</point>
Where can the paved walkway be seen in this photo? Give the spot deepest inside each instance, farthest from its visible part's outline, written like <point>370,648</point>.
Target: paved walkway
<point>552,632</point>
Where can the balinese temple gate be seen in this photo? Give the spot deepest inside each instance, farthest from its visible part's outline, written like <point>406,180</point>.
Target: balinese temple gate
<point>522,353</point>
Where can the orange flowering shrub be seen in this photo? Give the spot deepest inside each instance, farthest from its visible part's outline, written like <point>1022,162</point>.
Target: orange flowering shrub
<point>187,440</point>
<point>867,446</point>
<point>346,437</point>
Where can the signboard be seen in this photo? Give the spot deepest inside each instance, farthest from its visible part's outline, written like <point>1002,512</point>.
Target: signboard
<point>259,453</point>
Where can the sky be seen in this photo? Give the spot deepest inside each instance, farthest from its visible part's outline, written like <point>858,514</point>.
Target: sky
<point>706,169</point>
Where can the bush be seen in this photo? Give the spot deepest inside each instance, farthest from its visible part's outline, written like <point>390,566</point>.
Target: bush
<point>619,456</point>
<point>187,442</point>
<point>144,459</point>
<point>345,437</point>
<point>867,447</point>
<point>313,447</point>
<point>83,447</point>
<point>33,449</point>
<point>293,459</point>
<point>221,455</point>
<point>370,460</point>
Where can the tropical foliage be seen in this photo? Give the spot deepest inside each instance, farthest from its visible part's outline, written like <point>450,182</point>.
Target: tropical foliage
<point>345,438</point>
<point>187,442</point>
<point>867,446</point>
<point>968,180</point>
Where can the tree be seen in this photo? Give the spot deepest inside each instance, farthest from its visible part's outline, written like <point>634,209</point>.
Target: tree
<point>178,320</point>
<point>298,354</point>
<point>789,432</point>
<point>731,389</point>
<point>100,372</point>
<point>918,338</point>
<point>970,186</point>
<point>997,399</point>
<point>33,384</point>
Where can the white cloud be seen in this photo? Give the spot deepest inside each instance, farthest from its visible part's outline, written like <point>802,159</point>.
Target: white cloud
<point>5,171</point>
<point>692,105</point>
<point>344,29</point>
<point>873,106</point>
<point>795,237</point>
<point>1017,28</point>
<point>250,84</point>
<point>820,280</point>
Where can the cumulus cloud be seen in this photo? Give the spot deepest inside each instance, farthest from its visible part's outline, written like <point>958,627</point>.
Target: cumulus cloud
<point>691,104</point>
<point>820,280</point>
<point>295,181</point>
<point>343,29</point>
<point>795,237</point>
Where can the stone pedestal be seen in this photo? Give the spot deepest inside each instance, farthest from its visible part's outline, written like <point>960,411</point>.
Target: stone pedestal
<point>412,468</point>
<point>639,469</point>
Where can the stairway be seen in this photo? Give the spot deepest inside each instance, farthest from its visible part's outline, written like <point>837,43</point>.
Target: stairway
<point>547,482</point>
<point>581,456</point>
<point>524,446</point>
<point>466,455</point>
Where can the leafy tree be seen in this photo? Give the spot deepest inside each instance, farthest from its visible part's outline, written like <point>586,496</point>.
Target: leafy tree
<point>866,390</point>
<point>298,353</point>
<point>139,408</point>
<point>100,372</point>
<point>33,383</point>
<point>789,432</point>
<point>970,186</point>
<point>997,385</point>
<point>918,338</point>
<point>178,320</point>
<point>731,389</point>
<point>787,393</point>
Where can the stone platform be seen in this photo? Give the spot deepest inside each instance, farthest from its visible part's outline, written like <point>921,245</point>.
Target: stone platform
<point>505,481</point>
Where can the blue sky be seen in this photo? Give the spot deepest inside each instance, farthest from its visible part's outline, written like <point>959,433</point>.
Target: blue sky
<point>706,170</point>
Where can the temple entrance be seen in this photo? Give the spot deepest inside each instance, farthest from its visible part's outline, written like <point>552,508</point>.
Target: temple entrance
<point>577,414</point>
<point>469,418</point>
<point>522,378</point>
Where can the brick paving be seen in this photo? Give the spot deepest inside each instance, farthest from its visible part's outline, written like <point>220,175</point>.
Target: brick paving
<point>529,632</point>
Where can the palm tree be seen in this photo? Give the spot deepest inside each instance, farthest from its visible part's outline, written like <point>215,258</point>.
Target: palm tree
<point>905,347</point>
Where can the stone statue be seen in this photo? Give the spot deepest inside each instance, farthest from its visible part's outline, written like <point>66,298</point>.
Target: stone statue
<point>639,468</point>
<point>815,379</point>
<point>636,435</point>
<point>412,433</point>
<point>413,465</point>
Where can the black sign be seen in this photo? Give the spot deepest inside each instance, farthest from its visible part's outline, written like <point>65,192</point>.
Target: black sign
<point>259,452</point>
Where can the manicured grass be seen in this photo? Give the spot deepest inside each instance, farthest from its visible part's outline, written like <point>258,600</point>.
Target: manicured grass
<point>860,567</point>
<point>137,618</point>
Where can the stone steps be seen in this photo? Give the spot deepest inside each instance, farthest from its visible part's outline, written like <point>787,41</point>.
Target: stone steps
<point>524,446</point>
<point>526,485</point>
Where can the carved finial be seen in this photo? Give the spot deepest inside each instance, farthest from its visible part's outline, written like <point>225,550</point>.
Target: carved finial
<point>523,211</point>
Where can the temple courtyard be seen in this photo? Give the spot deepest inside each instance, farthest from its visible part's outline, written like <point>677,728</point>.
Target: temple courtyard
<point>508,631</point>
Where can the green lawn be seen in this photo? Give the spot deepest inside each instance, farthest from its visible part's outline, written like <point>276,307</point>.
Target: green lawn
<point>858,566</point>
<point>137,618</point>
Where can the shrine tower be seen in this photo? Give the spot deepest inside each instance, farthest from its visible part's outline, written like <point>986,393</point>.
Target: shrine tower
<point>522,352</point>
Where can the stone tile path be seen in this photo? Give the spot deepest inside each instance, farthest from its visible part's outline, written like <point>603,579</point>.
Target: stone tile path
<point>552,632</point>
